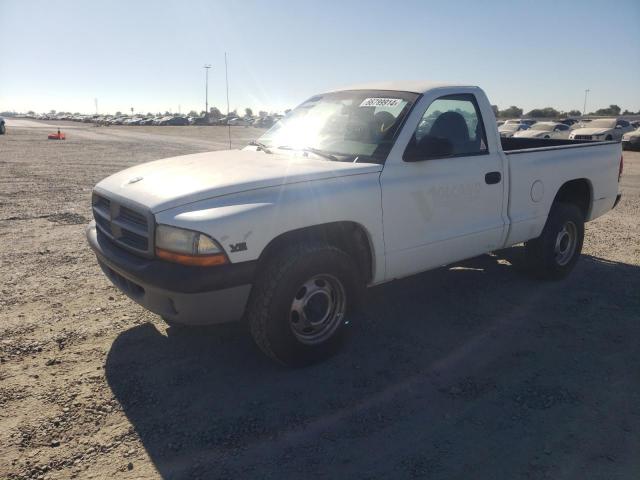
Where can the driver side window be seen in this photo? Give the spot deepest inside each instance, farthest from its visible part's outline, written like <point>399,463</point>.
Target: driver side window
<point>451,126</point>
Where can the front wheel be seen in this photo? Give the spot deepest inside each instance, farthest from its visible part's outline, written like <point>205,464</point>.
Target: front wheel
<point>301,303</point>
<point>555,252</point>
<point>3,129</point>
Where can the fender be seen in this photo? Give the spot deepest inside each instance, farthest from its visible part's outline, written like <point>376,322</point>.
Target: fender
<point>245,223</point>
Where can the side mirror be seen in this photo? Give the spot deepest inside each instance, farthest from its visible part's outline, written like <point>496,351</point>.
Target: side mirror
<point>429,148</point>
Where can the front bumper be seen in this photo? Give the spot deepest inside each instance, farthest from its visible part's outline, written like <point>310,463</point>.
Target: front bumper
<point>182,294</point>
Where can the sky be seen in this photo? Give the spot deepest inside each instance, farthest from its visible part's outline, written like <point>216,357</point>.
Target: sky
<point>148,55</point>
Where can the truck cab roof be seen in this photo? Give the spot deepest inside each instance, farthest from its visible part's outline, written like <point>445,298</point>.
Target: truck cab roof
<point>414,86</point>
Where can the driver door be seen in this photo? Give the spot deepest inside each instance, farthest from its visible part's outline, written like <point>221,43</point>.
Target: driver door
<point>442,197</point>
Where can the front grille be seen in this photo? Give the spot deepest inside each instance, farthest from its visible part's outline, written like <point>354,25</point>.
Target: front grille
<point>130,228</point>
<point>134,217</point>
<point>583,137</point>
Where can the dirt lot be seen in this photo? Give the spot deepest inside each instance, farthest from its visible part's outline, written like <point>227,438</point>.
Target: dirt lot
<point>474,371</point>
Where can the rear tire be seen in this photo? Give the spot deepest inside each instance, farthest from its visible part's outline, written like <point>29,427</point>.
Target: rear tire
<point>556,251</point>
<point>301,302</point>
<point>3,129</point>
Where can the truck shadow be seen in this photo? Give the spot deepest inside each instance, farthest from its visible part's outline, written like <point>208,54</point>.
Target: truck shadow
<point>444,372</point>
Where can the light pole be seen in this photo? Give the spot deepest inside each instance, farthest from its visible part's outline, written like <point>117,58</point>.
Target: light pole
<point>584,108</point>
<point>206,89</point>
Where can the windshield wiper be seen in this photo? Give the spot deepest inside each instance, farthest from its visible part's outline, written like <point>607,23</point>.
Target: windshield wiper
<point>321,153</point>
<point>260,145</point>
<point>315,151</point>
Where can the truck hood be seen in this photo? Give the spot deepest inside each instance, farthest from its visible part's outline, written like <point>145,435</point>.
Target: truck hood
<point>175,181</point>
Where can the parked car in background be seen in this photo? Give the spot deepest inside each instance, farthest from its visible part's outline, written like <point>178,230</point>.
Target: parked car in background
<point>631,140</point>
<point>239,122</point>
<point>602,129</point>
<point>511,127</point>
<point>545,130</point>
<point>3,127</point>
<point>264,122</point>
<point>161,120</point>
<point>132,121</point>
<point>526,121</point>
<point>568,121</point>
<point>175,121</point>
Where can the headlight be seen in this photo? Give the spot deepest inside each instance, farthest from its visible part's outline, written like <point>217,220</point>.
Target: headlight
<point>188,247</point>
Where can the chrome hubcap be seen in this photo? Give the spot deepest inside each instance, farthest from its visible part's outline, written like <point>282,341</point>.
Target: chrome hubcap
<point>317,309</point>
<point>565,245</point>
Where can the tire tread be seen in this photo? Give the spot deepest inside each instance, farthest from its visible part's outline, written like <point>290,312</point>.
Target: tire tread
<point>265,286</point>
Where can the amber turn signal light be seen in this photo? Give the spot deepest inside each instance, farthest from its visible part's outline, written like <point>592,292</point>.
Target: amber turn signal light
<point>192,260</point>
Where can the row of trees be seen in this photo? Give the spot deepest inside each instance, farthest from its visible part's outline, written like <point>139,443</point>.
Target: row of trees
<point>550,112</point>
<point>215,113</point>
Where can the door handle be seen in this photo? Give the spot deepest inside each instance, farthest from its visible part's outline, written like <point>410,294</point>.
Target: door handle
<point>492,177</point>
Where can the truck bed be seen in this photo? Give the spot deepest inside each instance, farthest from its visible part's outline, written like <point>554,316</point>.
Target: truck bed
<point>509,144</point>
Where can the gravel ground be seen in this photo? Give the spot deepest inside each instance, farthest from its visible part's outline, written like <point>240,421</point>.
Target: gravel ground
<point>473,371</point>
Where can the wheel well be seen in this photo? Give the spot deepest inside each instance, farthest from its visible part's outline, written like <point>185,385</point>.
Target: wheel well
<point>350,237</point>
<point>578,193</point>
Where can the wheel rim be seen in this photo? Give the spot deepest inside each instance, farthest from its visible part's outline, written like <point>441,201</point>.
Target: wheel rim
<point>566,242</point>
<point>317,309</point>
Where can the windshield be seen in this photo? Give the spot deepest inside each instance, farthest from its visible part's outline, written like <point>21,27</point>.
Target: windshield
<point>602,123</point>
<point>349,125</point>
<point>547,127</point>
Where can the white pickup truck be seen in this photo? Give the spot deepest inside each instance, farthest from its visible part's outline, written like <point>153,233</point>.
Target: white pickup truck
<point>354,188</point>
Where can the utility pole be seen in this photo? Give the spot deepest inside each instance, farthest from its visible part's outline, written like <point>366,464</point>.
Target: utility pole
<point>95,100</point>
<point>226,76</point>
<point>206,89</point>
<point>584,108</point>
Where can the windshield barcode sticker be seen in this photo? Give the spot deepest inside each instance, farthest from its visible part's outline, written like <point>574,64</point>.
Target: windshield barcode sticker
<point>381,102</point>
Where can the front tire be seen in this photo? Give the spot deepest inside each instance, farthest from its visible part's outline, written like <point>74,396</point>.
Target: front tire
<point>556,251</point>
<point>301,303</point>
<point>3,129</point>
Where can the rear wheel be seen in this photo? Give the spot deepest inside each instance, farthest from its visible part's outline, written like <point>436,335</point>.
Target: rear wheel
<point>302,301</point>
<point>3,129</point>
<point>555,252</point>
